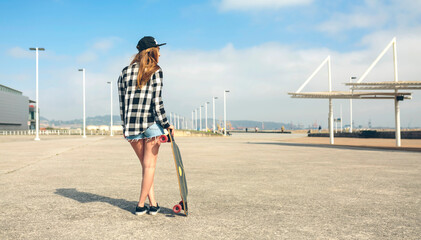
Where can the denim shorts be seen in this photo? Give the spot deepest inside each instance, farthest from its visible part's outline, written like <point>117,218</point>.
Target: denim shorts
<point>154,130</point>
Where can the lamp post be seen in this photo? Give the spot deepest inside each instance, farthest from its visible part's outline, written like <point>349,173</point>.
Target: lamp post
<point>206,116</point>
<point>214,131</point>
<point>350,105</point>
<point>111,106</point>
<point>200,119</point>
<point>225,111</point>
<point>84,115</point>
<point>36,91</point>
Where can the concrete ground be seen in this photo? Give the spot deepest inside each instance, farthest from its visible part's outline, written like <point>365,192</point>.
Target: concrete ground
<point>248,186</point>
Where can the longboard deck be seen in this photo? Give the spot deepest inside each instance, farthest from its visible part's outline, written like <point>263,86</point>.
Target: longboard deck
<point>182,183</point>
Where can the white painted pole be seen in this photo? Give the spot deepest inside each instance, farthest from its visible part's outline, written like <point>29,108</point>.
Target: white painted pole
<point>37,97</point>
<point>393,42</point>
<point>111,106</point>
<point>331,134</point>
<point>36,92</point>
<point>225,112</point>
<point>397,110</point>
<point>200,118</point>
<point>313,74</point>
<point>350,107</point>
<point>192,120</point>
<point>178,122</point>
<point>206,116</point>
<point>84,103</point>
<point>214,126</point>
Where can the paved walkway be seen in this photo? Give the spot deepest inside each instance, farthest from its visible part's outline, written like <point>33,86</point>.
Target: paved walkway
<point>248,186</point>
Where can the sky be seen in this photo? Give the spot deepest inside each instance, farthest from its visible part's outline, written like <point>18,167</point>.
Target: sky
<point>259,50</point>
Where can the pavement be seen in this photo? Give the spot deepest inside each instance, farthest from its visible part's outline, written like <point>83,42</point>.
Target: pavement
<point>247,186</point>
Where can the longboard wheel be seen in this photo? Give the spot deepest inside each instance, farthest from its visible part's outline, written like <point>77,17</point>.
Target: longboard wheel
<point>163,138</point>
<point>181,204</point>
<point>177,208</point>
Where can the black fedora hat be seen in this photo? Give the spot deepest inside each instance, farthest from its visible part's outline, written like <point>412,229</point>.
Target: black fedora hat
<point>147,42</point>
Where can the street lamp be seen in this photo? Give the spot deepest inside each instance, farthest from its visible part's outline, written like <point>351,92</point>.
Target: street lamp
<point>350,105</point>
<point>36,91</point>
<point>214,131</point>
<point>111,106</point>
<point>178,122</point>
<point>206,116</point>
<point>225,111</point>
<point>84,116</point>
<point>195,111</point>
<point>200,119</point>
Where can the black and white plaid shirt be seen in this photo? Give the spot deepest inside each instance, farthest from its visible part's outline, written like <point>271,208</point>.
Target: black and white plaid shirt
<point>140,108</point>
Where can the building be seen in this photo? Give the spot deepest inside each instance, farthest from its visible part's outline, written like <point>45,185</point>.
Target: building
<point>15,111</point>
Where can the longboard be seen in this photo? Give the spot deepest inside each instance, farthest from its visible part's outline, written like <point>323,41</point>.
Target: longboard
<point>181,176</point>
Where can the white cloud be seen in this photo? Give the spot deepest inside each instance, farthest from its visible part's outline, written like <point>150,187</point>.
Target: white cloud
<point>105,44</point>
<point>88,56</point>
<point>18,52</point>
<point>260,77</point>
<point>242,5</point>
<point>343,22</point>
<point>373,14</point>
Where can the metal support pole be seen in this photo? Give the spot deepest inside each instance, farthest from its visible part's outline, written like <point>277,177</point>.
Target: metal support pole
<point>206,116</point>
<point>397,110</point>
<point>36,92</point>
<point>350,106</point>
<point>84,107</point>
<point>37,98</point>
<point>178,122</point>
<point>214,126</point>
<point>225,112</point>
<point>200,118</point>
<point>331,135</point>
<point>111,107</point>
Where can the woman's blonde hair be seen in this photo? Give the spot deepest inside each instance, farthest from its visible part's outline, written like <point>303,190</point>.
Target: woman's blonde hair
<point>148,64</point>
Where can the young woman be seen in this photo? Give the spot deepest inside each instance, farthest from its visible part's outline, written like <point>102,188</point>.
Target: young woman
<point>143,115</point>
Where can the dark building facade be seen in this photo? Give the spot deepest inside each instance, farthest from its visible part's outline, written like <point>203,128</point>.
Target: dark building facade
<point>14,110</point>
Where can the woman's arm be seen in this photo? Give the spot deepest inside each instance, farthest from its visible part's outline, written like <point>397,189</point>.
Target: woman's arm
<point>157,99</point>
<point>121,93</point>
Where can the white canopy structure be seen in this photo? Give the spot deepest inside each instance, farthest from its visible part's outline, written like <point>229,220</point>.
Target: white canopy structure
<point>362,87</point>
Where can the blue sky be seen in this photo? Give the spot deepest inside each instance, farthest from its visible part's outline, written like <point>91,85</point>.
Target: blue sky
<point>260,50</point>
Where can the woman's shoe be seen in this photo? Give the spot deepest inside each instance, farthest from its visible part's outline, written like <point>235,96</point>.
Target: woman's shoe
<point>141,210</point>
<point>154,210</point>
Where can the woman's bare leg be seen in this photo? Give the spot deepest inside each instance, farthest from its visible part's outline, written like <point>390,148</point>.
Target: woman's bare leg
<point>150,156</point>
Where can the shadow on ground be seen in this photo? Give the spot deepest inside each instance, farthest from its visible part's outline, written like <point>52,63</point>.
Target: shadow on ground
<point>85,197</point>
<point>368,148</point>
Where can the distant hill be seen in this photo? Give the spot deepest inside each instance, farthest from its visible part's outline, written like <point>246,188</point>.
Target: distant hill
<point>241,124</point>
<point>105,120</point>
<point>97,120</point>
